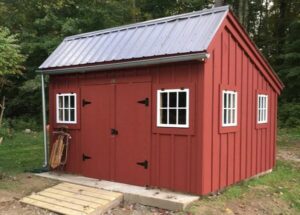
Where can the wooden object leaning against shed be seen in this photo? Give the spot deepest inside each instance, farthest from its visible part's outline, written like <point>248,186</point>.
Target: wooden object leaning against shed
<point>59,152</point>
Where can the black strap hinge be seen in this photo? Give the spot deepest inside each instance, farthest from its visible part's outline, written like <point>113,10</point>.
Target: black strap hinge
<point>145,102</point>
<point>85,102</point>
<point>144,164</point>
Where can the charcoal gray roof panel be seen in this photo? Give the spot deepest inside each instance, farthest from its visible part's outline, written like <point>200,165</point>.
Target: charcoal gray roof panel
<point>180,34</point>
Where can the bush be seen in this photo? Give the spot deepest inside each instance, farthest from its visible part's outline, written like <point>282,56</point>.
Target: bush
<point>5,131</point>
<point>20,124</point>
<point>289,115</point>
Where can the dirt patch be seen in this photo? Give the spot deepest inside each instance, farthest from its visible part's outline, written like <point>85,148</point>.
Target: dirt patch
<point>13,188</point>
<point>137,209</point>
<point>258,200</point>
<point>289,155</point>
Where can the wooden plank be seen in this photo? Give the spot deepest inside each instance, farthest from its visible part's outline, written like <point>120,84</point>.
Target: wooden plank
<point>70,194</point>
<point>84,192</point>
<point>51,207</point>
<point>107,207</point>
<point>85,209</point>
<point>91,189</point>
<point>72,200</point>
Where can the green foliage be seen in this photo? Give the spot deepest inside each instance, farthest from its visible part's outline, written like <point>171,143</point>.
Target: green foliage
<point>10,55</point>
<point>288,137</point>
<point>289,115</point>
<point>289,70</point>
<point>11,58</point>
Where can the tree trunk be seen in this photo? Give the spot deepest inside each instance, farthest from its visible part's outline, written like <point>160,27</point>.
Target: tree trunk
<point>2,106</point>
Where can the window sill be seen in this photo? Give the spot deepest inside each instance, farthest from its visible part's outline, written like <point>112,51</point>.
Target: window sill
<point>172,126</point>
<point>68,125</point>
<point>228,129</point>
<point>262,125</point>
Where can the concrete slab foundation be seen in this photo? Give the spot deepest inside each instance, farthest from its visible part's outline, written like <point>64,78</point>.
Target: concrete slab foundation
<point>135,194</point>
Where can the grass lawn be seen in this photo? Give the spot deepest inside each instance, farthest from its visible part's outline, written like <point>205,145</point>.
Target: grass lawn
<point>21,152</point>
<point>275,193</point>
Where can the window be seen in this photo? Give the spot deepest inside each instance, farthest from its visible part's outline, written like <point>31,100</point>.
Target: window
<point>66,108</point>
<point>262,108</point>
<point>173,108</point>
<point>229,110</point>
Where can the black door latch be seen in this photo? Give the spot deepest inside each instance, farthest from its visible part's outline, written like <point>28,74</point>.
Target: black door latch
<point>85,157</point>
<point>144,164</point>
<point>114,131</point>
<point>85,102</point>
<point>145,102</point>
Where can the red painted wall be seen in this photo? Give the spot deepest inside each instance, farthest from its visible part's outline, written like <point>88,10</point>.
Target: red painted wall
<point>231,155</point>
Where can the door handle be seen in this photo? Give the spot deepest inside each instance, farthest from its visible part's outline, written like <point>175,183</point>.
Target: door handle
<point>114,131</point>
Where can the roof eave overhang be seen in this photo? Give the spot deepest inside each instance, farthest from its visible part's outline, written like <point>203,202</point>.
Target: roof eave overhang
<point>127,64</point>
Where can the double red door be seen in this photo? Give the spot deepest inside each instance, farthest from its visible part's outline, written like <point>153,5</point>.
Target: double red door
<point>115,132</point>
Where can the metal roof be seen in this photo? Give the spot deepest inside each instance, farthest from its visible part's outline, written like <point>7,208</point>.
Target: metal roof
<point>180,34</point>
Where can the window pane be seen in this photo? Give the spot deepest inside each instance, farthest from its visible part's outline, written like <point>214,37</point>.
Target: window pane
<point>172,116</point>
<point>164,99</point>
<point>173,99</point>
<point>225,116</point>
<point>225,100</point>
<point>163,116</point>
<point>182,116</point>
<point>233,116</point>
<point>72,101</point>
<point>66,105</point>
<point>233,101</point>
<point>182,99</point>
<point>66,115</point>
<point>229,116</point>
<point>60,101</point>
<point>60,114</point>
<point>229,100</point>
<point>72,115</point>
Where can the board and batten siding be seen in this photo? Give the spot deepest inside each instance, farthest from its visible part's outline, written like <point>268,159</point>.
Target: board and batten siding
<point>248,149</point>
<point>175,156</point>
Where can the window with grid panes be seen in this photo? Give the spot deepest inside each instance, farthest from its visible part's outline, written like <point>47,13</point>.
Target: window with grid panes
<point>173,108</point>
<point>229,109</point>
<point>66,108</point>
<point>262,108</point>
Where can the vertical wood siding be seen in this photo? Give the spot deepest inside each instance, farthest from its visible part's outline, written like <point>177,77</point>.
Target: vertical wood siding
<point>175,154</point>
<point>229,157</point>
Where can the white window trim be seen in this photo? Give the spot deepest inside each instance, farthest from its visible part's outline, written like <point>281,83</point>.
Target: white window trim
<point>263,108</point>
<point>57,108</point>
<point>235,107</point>
<point>187,108</point>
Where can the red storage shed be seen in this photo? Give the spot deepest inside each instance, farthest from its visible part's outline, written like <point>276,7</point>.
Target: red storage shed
<point>186,102</point>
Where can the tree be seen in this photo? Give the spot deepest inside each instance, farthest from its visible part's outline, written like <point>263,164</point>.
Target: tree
<point>289,70</point>
<point>11,60</point>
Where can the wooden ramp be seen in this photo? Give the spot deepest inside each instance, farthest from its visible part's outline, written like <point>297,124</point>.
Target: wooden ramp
<point>73,199</point>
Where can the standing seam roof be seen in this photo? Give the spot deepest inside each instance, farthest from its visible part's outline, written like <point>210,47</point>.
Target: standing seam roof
<point>180,34</point>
